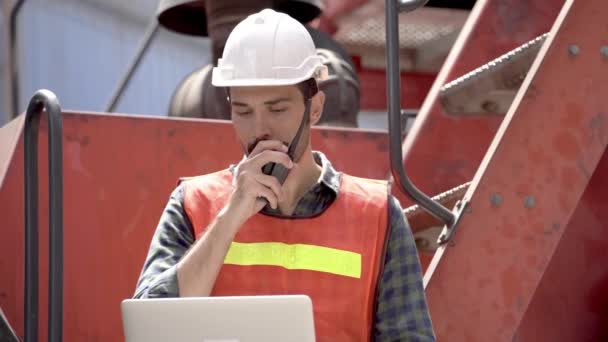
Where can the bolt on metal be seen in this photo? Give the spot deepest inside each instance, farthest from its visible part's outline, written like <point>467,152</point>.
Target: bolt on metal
<point>496,200</point>
<point>574,50</point>
<point>529,202</point>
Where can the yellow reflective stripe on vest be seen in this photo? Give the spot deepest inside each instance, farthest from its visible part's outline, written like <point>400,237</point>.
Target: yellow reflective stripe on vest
<point>295,257</point>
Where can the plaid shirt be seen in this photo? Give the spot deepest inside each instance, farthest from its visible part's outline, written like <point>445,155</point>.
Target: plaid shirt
<point>401,313</point>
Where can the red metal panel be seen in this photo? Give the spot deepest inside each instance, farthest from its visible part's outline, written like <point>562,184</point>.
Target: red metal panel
<point>571,302</point>
<point>118,174</point>
<point>414,88</point>
<point>527,188</point>
<point>442,152</point>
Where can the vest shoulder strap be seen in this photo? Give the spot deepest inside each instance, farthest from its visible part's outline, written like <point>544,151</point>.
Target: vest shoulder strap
<point>374,191</point>
<point>206,194</point>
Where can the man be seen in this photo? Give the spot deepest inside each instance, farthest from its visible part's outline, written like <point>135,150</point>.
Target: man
<point>283,220</point>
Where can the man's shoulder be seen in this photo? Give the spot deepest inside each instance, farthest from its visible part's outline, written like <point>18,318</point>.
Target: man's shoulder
<point>369,184</point>
<point>210,186</point>
<point>373,192</point>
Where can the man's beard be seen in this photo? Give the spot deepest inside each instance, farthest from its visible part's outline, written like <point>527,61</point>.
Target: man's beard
<point>252,145</point>
<point>297,154</point>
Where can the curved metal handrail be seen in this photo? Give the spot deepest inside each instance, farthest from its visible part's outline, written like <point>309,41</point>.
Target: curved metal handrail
<point>393,7</point>
<point>43,99</point>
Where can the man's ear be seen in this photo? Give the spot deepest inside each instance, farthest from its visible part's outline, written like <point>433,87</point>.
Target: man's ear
<point>316,107</point>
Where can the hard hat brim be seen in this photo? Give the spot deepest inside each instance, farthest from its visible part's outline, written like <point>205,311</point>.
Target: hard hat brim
<point>319,74</point>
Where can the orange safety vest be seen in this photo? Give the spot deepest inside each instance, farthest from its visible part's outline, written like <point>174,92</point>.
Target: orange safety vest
<point>335,258</point>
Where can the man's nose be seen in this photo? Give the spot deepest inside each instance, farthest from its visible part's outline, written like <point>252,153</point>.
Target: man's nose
<point>262,129</point>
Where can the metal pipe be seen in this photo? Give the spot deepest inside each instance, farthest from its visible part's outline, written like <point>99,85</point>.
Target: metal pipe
<point>43,99</point>
<point>394,110</point>
<point>13,72</point>
<point>151,32</point>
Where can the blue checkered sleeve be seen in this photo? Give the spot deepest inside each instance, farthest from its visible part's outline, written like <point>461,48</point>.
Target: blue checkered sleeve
<point>402,313</point>
<point>172,239</point>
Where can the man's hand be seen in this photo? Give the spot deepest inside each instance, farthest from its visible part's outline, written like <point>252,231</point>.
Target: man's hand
<point>251,186</point>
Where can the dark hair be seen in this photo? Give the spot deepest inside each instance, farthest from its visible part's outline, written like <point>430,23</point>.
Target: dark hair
<point>308,88</point>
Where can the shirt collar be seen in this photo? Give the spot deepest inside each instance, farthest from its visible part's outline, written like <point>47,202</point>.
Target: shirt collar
<point>329,176</point>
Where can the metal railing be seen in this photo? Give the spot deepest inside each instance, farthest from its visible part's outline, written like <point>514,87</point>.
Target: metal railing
<point>43,99</point>
<point>393,86</point>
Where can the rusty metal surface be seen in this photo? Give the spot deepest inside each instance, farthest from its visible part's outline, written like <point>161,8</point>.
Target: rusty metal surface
<point>492,87</point>
<point>539,164</point>
<point>118,174</point>
<point>414,88</point>
<point>426,227</point>
<point>442,151</point>
<point>447,198</point>
<point>571,301</point>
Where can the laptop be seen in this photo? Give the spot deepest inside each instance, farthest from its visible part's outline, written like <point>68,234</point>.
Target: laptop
<point>219,319</point>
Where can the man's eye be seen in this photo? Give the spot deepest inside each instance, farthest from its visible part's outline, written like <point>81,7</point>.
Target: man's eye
<point>242,113</point>
<point>278,110</point>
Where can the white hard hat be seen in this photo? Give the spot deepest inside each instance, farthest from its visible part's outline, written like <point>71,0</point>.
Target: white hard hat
<point>268,49</point>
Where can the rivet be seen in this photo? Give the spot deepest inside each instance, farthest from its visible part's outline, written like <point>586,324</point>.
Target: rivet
<point>529,202</point>
<point>574,50</point>
<point>496,200</point>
